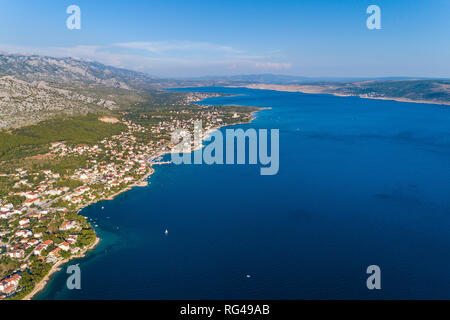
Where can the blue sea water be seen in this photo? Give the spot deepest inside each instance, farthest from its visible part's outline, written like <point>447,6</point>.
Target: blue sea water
<point>361,182</point>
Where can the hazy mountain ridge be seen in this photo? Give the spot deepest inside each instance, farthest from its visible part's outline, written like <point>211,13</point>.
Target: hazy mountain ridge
<point>35,88</point>
<point>288,79</point>
<point>69,70</point>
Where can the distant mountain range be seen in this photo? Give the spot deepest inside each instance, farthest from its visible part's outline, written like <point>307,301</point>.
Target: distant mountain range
<point>69,70</point>
<point>34,88</point>
<point>286,79</point>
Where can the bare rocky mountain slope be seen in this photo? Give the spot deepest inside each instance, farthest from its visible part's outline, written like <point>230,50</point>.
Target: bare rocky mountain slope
<point>34,88</point>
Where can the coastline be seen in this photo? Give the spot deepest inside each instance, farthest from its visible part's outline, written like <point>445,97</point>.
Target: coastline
<point>142,182</point>
<point>319,90</point>
<point>55,268</point>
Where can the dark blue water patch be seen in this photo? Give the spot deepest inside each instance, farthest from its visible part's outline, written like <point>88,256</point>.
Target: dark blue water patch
<point>361,182</point>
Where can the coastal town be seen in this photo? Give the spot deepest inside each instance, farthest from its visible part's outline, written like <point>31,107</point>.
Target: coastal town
<point>40,224</point>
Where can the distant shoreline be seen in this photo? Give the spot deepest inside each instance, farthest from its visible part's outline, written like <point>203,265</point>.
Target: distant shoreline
<point>311,89</point>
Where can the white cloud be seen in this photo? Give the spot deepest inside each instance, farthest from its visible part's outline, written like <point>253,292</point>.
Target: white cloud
<point>165,46</point>
<point>167,58</point>
<point>273,65</point>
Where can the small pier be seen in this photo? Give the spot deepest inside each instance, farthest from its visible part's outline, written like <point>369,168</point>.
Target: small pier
<point>160,162</point>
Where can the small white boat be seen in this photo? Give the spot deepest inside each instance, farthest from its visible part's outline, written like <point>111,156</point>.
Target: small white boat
<point>103,208</point>
<point>166,232</point>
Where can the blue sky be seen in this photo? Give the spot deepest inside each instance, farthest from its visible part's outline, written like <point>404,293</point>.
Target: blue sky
<point>192,38</point>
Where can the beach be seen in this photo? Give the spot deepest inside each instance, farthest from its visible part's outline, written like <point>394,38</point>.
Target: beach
<point>55,268</point>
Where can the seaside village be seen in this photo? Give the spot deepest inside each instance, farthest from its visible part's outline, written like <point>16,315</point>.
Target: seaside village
<point>41,227</point>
